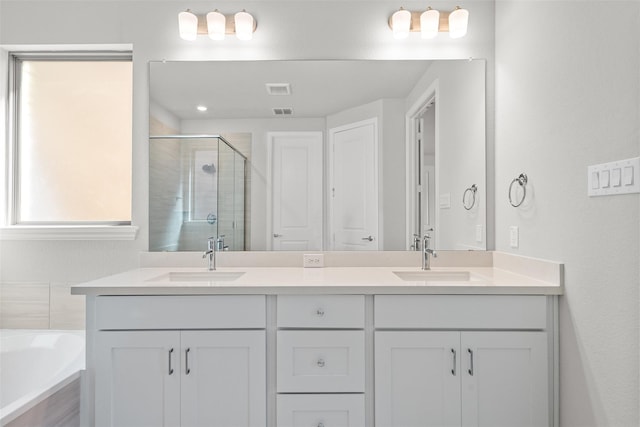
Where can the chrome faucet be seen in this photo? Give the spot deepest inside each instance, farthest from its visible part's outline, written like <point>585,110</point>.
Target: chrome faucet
<point>427,253</point>
<point>211,252</point>
<point>416,242</point>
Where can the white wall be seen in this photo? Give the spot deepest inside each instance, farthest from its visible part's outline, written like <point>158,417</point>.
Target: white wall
<point>567,96</point>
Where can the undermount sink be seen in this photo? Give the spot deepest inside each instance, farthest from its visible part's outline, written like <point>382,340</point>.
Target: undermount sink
<point>200,276</point>
<point>434,276</point>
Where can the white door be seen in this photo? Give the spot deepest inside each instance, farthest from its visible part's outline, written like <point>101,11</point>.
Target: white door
<point>138,379</point>
<point>296,191</point>
<point>223,379</point>
<point>354,186</point>
<point>417,379</point>
<point>505,379</point>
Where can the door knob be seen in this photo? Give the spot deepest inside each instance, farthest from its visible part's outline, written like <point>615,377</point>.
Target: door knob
<point>277,235</point>
<point>368,238</point>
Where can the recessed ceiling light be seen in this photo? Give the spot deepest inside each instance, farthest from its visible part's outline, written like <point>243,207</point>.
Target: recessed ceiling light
<point>201,108</point>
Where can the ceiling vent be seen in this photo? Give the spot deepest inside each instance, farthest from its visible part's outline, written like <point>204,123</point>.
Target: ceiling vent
<point>282,111</point>
<point>278,89</point>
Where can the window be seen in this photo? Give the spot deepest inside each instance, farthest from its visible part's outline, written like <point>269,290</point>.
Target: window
<point>72,139</point>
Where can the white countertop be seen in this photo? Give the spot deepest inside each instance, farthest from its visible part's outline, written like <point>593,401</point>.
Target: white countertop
<point>327,280</point>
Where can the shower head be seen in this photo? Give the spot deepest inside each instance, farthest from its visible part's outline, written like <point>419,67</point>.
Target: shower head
<point>209,168</point>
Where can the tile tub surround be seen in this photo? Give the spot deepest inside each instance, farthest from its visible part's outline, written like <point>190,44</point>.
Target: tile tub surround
<point>40,305</point>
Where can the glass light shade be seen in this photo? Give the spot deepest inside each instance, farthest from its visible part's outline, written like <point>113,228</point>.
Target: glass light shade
<point>244,25</point>
<point>401,24</point>
<point>458,20</point>
<point>188,25</point>
<point>429,23</point>
<point>216,25</point>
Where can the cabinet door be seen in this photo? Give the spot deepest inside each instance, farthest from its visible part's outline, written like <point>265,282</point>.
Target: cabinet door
<point>223,378</point>
<point>417,379</point>
<point>505,379</point>
<point>137,379</point>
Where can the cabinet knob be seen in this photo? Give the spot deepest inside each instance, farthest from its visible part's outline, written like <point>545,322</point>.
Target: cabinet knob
<point>320,363</point>
<point>320,312</point>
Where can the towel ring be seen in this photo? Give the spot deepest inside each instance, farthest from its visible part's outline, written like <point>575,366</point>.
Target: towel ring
<point>522,181</point>
<point>471,190</point>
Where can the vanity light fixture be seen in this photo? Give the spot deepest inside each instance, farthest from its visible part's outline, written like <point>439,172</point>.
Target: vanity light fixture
<point>216,24</point>
<point>429,23</point>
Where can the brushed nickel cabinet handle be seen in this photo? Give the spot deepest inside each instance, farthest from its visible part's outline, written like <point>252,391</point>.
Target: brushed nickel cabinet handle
<point>170,357</point>
<point>453,369</point>
<point>187,370</point>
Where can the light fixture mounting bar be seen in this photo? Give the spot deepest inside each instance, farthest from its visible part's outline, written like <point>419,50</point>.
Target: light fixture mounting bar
<point>230,26</point>
<point>443,26</point>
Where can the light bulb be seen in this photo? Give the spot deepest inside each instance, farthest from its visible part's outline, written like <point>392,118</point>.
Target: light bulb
<point>458,20</point>
<point>188,25</point>
<point>429,23</point>
<point>216,25</point>
<point>401,23</point>
<point>244,25</point>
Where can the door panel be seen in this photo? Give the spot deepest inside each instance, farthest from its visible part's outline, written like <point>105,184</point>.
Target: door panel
<point>417,379</point>
<point>354,186</point>
<point>508,384</point>
<point>296,191</point>
<point>223,379</point>
<point>134,386</point>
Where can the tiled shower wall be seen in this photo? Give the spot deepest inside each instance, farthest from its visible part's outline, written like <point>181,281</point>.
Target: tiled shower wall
<point>34,305</point>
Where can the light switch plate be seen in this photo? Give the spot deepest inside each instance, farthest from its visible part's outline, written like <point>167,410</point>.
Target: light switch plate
<point>514,238</point>
<point>445,201</point>
<point>479,233</point>
<point>618,177</point>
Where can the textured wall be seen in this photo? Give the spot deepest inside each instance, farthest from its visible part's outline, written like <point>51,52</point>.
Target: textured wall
<point>567,96</point>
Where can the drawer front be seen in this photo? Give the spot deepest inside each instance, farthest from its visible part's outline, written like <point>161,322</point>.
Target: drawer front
<point>460,311</point>
<point>320,311</point>
<point>181,312</point>
<point>320,361</point>
<point>313,410</point>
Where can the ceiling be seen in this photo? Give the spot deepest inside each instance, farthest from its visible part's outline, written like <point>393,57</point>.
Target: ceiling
<point>236,89</point>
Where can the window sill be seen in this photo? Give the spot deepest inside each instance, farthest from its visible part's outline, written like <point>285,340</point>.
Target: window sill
<point>75,232</point>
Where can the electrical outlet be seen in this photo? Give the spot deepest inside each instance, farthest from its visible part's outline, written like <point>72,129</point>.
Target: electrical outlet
<point>514,238</point>
<point>312,260</point>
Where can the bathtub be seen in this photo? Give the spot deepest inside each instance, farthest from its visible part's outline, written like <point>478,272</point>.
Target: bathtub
<point>39,375</point>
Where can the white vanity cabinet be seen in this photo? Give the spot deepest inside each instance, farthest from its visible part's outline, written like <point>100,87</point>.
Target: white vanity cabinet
<point>192,375</point>
<point>320,358</point>
<point>428,376</point>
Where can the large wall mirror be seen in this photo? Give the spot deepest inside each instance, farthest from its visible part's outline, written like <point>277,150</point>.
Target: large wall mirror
<point>317,155</point>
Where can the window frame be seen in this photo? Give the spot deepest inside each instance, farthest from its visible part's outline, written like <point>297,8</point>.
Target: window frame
<point>59,230</point>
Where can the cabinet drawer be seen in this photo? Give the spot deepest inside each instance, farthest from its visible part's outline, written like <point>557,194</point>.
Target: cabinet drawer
<point>460,311</point>
<point>320,361</point>
<point>181,312</point>
<point>320,311</point>
<point>312,410</point>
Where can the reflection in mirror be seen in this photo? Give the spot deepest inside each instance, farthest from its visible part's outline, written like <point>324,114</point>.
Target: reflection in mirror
<point>340,155</point>
<point>198,189</point>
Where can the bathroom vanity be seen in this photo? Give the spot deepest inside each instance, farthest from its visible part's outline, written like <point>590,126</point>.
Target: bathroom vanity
<point>347,346</point>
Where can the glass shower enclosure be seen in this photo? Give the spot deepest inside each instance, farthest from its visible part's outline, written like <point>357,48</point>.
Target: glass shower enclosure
<point>197,190</point>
